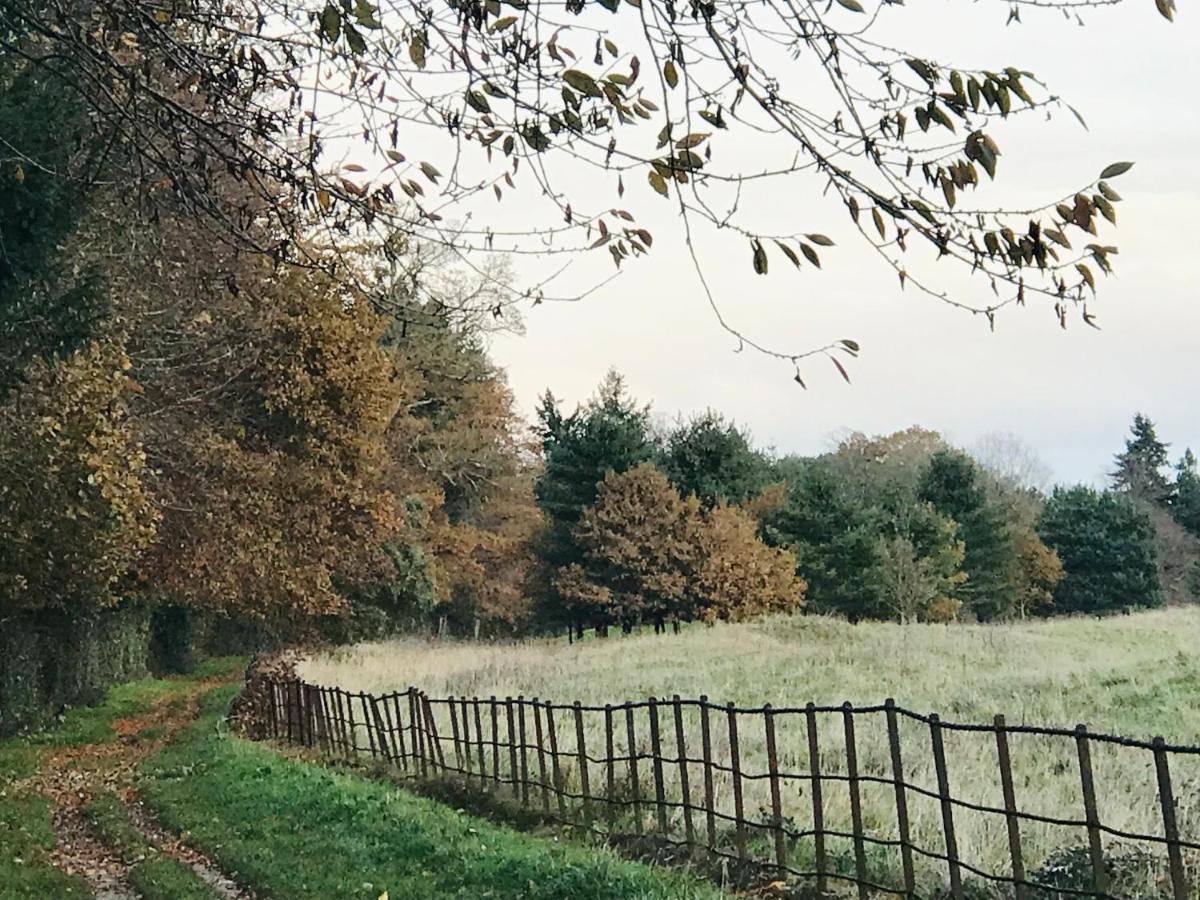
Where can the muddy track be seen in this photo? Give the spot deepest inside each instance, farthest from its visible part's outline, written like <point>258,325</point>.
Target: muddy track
<point>72,776</point>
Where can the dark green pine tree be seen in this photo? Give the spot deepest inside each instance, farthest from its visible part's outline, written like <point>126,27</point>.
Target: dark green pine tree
<point>1185,505</point>
<point>1139,470</point>
<point>952,484</point>
<point>609,433</point>
<point>835,538</point>
<point>711,458</point>
<point>1107,546</point>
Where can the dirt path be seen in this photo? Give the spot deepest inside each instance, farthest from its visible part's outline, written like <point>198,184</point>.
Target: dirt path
<point>70,777</point>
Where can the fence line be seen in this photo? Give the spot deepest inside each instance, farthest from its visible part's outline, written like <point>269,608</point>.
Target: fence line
<point>689,790</point>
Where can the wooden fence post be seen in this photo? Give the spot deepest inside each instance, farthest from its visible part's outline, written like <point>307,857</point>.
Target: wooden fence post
<point>814,766</point>
<point>660,799</point>
<point>706,752</point>
<point>351,728</point>
<point>739,815</point>
<point>439,754</point>
<point>454,736</point>
<point>635,786</point>
<point>559,790</point>
<point>524,754</point>
<point>856,823</point>
<point>611,791</point>
<point>1095,845</point>
<point>398,722</point>
<point>288,710</point>
<point>468,749</point>
<point>1179,886</point>
<point>381,734</point>
<point>495,739</point>
<point>510,716</point>
<point>541,754</point>
<point>418,743</point>
<point>371,743</point>
<point>322,717</point>
<point>781,859</point>
<point>684,787</point>
<point>901,790</point>
<point>343,738</point>
<point>272,710</point>
<point>309,719</point>
<point>939,760</point>
<point>479,740</point>
<point>583,765</point>
<point>1021,890</point>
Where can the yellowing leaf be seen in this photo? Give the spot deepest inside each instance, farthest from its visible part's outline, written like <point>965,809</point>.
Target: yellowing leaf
<point>670,73</point>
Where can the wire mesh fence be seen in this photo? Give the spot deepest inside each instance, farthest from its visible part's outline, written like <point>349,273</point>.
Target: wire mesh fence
<point>873,800</point>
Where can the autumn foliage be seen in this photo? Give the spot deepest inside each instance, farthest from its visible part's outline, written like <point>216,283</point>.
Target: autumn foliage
<point>651,556</point>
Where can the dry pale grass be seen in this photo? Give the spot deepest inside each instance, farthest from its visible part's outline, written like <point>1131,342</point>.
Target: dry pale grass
<point>1134,675</point>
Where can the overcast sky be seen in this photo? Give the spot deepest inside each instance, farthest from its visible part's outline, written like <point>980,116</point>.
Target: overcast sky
<point>1069,395</point>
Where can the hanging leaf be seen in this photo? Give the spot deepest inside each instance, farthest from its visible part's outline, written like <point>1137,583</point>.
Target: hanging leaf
<point>354,40</point>
<point>760,258</point>
<point>789,253</point>
<point>325,199</point>
<point>810,254</point>
<point>501,24</point>
<point>394,156</point>
<point>331,22</point>
<point>820,240</point>
<point>430,172</point>
<point>1116,169</point>
<point>478,102</point>
<point>658,182</point>
<point>416,51</point>
<point>670,74</point>
<point>852,5</point>
<point>582,82</point>
<point>850,345</point>
<point>841,369</point>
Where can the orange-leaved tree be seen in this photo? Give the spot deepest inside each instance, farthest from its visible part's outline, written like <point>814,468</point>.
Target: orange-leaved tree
<point>652,556</point>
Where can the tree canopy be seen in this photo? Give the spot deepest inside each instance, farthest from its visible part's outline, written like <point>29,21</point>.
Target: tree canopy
<point>392,115</point>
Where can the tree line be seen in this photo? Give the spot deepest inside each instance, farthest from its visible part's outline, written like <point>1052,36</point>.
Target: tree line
<point>642,521</point>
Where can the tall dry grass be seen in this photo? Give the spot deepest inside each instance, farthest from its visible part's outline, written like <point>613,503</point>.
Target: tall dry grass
<point>1134,675</point>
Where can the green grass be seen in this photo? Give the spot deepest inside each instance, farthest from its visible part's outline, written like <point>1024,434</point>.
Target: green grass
<point>153,875</point>
<point>1134,675</point>
<point>94,724</point>
<point>26,828</point>
<point>298,830</point>
<point>26,834</point>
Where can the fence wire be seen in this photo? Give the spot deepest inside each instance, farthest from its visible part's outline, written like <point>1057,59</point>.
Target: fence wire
<point>780,791</point>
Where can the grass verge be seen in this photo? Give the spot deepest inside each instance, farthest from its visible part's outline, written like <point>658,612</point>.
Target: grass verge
<point>26,835</point>
<point>152,874</point>
<point>300,830</point>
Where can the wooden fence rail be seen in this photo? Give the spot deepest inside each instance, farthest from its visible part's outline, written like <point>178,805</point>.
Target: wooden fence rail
<point>702,779</point>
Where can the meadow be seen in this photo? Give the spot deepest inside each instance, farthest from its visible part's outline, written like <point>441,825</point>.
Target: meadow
<point>1137,676</point>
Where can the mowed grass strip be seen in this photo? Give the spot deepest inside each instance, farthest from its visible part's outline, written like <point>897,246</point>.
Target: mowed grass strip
<point>294,829</point>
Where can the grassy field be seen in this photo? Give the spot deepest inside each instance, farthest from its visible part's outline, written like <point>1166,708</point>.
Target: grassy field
<point>1133,675</point>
